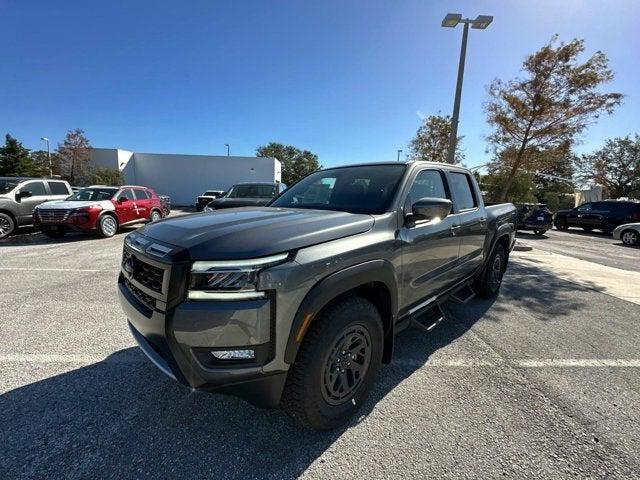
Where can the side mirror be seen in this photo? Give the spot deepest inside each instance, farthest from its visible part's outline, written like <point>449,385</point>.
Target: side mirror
<point>23,194</point>
<point>122,199</point>
<point>428,209</point>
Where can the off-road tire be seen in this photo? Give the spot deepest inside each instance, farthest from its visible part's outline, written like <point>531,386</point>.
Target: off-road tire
<point>305,396</point>
<point>7,225</point>
<point>103,228</point>
<point>487,284</point>
<point>53,233</point>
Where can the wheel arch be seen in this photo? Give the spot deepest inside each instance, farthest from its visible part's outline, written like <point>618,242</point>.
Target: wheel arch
<point>373,280</point>
<point>10,214</point>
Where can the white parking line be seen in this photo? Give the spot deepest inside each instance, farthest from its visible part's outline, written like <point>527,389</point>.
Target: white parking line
<point>447,363</point>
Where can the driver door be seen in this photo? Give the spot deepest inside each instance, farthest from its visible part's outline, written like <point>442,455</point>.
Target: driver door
<point>126,209</point>
<point>429,249</point>
<point>26,205</point>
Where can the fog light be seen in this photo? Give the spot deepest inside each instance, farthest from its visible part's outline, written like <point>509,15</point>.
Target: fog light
<point>234,354</point>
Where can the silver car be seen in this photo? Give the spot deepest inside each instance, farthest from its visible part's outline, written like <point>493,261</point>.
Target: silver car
<point>629,233</point>
<point>20,195</point>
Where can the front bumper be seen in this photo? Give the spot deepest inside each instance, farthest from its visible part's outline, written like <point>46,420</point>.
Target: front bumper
<point>178,337</point>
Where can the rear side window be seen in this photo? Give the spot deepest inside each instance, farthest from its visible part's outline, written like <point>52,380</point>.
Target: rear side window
<point>58,188</point>
<point>141,194</point>
<point>36,189</point>
<point>428,183</point>
<point>462,191</point>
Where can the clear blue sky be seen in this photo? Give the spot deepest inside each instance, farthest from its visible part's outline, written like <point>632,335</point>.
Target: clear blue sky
<point>345,79</point>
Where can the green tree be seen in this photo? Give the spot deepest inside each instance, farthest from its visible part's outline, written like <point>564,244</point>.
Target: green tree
<point>296,163</point>
<point>431,142</point>
<point>104,176</point>
<point>522,190</point>
<point>15,159</point>
<point>73,154</point>
<point>551,105</point>
<point>616,167</point>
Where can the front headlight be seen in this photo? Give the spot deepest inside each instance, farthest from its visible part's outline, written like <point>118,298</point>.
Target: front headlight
<point>229,279</point>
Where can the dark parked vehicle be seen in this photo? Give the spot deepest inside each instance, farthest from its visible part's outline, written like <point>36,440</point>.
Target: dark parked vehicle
<point>605,215</point>
<point>247,195</point>
<point>19,196</point>
<point>534,216</point>
<point>206,197</point>
<point>297,303</point>
<point>165,200</point>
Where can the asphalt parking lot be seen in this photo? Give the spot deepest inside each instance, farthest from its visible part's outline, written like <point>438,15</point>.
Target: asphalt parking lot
<point>542,382</point>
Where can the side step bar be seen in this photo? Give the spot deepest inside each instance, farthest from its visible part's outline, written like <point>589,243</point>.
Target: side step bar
<point>464,294</point>
<point>427,320</point>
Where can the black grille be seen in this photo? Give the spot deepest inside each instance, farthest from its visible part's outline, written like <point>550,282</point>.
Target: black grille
<point>140,295</point>
<point>148,275</point>
<point>52,215</point>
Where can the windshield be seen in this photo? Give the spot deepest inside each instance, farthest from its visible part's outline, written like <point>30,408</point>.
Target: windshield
<point>249,190</point>
<point>362,189</point>
<point>8,184</point>
<point>93,194</point>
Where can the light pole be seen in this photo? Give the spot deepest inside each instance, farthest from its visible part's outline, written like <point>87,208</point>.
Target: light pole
<point>227,145</point>
<point>399,152</point>
<point>45,139</point>
<point>452,20</point>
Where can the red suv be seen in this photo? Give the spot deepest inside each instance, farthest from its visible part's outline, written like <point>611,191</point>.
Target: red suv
<point>98,209</point>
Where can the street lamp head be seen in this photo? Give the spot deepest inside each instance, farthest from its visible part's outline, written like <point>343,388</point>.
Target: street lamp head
<point>451,20</point>
<point>481,22</point>
<point>44,139</point>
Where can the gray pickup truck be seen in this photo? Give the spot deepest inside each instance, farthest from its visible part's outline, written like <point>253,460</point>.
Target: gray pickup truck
<point>297,303</point>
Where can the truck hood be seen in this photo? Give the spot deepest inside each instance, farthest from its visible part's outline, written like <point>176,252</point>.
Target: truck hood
<point>254,232</point>
<point>65,205</point>
<point>238,202</point>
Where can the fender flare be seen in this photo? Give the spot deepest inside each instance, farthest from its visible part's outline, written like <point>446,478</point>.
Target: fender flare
<point>331,287</point>
<point>504,229</point>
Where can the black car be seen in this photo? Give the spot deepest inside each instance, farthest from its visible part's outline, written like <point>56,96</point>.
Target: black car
<point>247,195</point>
<point>605,215</point>
<point>534,216</point>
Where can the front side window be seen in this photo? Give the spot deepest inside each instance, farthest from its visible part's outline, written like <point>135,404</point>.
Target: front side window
<point>93,194</point>
<point>462,191</point>
<point>36,189</point>
<point>427,184</point>
<point>58,188</point>
<point>362,189</point>
<point>585,208</point>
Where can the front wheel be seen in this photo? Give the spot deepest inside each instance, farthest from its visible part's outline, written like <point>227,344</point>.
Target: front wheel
<point>7,225</point>
<point>630,238</point>
<point>487,285</point>
<point>337,363</point>
<point>107,226</point>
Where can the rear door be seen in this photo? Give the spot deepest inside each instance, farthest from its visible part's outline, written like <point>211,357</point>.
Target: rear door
<point>472,223</point>
<point>429,249</point>
<point>581,216</point>
<point>58,190</point>
<point>142,204</point>
<point>26,205</point>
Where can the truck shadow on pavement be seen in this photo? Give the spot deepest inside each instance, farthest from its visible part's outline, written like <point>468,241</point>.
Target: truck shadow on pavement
<point>121,418</point>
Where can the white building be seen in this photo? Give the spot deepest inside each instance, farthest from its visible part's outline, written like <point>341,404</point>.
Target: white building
<point>184,177</point>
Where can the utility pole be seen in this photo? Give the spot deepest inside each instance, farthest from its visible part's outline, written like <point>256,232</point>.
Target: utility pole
<point>227,145</point>
<point>45,139</point>
<point>399,152</point>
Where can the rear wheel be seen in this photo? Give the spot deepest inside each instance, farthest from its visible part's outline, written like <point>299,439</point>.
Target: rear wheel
<point>337,363</point>
<point>561,224</point>
<point>155,216</point>
<point>487,285</point>
<point>51,233</point>
<point>630,237</point>
<point>107,226</point>
<point>7,225</point>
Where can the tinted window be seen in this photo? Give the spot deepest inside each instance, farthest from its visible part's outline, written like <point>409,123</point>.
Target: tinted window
<point>58,188</point>
<point>93,194</point>
<point>36,188</point>
<point>362,189</point>
<point>141,194</point>
<point>462,191</point>
<point>252,191</point>
<point>127,194</point>
<point>585,207</point>
<point>428,183</point>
